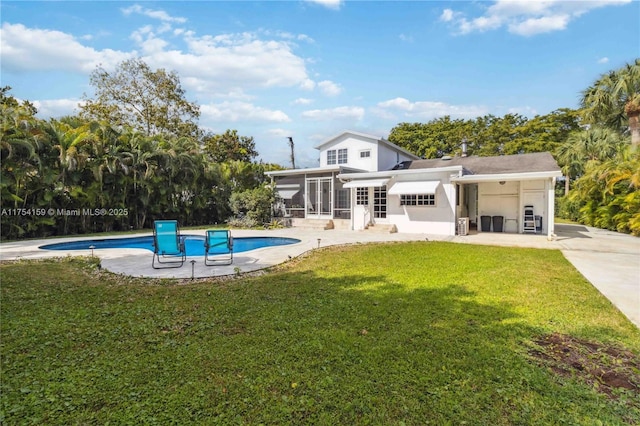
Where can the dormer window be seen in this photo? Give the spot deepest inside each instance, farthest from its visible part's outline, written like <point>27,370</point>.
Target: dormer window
<point>340,158</point>
<point>331,157</point>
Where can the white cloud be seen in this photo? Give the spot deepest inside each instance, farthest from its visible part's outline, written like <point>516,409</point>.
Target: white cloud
<point>527,111</point>
<point>329,88</point>
<point>155,14</point>
<point>57,108</point>
<point>603,60</point>
<point>541,25</point>
<point>406,38</point>
<point>287,35</point>
<point>307,84</point>
<point>146,39</point>
<point>330,4</point>
<point>525,18</point>
<point>209,65</point>
<point>425,110</point>
<point>447,15</point>
<point>302,101</point>
<point>233,61</point>
<point>338,113</point>
<point>279,133</point>
<point>27,49</point>
<point>240,111</point>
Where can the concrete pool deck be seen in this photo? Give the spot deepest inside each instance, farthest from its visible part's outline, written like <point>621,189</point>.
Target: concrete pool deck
<point>609,260</point>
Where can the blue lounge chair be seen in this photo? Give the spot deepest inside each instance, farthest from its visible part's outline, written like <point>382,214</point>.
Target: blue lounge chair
<point>218,247</point>
<point>168,246</point>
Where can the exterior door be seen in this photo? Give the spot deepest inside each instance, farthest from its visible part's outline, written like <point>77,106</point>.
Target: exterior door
<point>319,200</point>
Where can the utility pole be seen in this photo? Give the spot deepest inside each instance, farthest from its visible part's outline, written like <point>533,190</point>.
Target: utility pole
<point>293,158</point>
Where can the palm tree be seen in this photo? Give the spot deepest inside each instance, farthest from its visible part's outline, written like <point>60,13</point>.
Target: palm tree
<point>609,193</point>
<point>614,101</point>
<point>69,142</point>
<point>594,145</point>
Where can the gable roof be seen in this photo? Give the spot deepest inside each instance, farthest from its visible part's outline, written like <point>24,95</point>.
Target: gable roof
<point>366,136</point>
<point>503,164</point>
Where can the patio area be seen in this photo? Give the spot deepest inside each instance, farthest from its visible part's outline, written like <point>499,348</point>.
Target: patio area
<point>137,262</point>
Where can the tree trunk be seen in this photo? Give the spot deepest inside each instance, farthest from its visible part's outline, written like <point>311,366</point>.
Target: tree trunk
<point>634,128</point>
<point>566,185</point>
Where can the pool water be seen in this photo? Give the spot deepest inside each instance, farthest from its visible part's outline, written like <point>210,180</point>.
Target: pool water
<point>194,244</point>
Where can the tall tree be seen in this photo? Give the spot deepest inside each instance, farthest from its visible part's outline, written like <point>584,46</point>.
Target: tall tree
<point>488,135</point>
<point>590,146</point>
<point>614,101</point>
<point>152,102</point>
<point>229,146</point>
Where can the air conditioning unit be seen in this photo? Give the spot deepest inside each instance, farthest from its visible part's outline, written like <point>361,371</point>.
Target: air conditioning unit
<point>463,226</point>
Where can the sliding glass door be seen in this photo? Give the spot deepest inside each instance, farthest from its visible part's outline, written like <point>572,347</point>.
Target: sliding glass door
<point>319,200</point>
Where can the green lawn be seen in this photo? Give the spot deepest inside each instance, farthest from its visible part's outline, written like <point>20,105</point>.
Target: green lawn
<point>412,333</point>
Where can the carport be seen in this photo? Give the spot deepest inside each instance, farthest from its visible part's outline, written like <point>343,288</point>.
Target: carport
<point>496,203</point>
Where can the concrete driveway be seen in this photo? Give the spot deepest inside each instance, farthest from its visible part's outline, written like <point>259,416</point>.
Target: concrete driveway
<point>609,260</point>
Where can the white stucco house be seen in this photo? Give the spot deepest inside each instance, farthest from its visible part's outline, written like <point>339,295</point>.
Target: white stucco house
<point>366,182</point>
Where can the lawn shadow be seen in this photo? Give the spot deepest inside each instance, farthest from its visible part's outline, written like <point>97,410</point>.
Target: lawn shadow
<point>381,343</point>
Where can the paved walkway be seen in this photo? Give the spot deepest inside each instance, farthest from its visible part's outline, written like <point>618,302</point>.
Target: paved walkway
<point>609,260</point>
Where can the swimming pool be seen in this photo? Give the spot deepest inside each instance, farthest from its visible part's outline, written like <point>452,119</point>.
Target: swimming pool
<point>194,244</point>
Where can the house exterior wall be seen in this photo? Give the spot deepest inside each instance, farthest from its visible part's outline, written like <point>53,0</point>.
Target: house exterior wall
<point>389,157</point>
<point>381,155</point>
<point>437,220</point>
<point>354,146</point>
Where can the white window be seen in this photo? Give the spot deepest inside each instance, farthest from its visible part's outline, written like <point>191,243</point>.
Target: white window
<point>365,154</point>
<point>342,156</point>
<point>331,156</point>
<point>380,202</point>
<point>418,200</point>
<point>342,199</point>
<point>362,196</point>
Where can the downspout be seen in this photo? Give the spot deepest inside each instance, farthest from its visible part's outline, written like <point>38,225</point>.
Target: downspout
<point>452,203</point>
<point>455,195</point>
<point>351,205</point>
<point>551,194</point>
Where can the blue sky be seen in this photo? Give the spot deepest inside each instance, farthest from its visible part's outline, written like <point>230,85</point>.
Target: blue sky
<point>311,69</point>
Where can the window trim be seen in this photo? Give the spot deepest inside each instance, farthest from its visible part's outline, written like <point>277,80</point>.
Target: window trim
<point>418,200</point>
<point>365,151</point>
<point>332,157</point>
<point>362,196</point>
<point>343,156</point>
<point>380,202</point>
<point>342,198</point>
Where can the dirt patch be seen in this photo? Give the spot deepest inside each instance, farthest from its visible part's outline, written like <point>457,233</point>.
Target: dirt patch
<point>607,368</point>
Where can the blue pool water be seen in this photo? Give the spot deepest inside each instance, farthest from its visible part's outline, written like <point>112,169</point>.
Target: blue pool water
<point>194,244</point>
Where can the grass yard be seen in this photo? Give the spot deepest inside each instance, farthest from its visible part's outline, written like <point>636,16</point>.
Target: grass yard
<point>407,334</point>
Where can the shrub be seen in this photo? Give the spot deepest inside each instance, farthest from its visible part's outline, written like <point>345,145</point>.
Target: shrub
<point>254,204</point>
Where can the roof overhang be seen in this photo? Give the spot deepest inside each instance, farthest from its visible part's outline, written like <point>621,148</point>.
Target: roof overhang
<point>415,187</point>
<point>369,137</point>
<point>394,173</point>
<point>507,177</point>
<point>294,172</point>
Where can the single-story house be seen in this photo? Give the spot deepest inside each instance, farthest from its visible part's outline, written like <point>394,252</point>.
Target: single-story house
<point>366,181</point>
